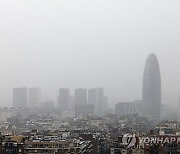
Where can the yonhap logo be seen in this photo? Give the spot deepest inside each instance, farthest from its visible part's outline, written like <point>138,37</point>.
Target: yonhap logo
<point>129,140</point>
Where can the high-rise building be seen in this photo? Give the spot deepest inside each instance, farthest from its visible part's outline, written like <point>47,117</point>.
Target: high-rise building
<point>64,100</point>
<point>151,90</point>
<point>80,96</point>
<point>96,98</point>
<point>20,97</point>
<point>34,97</point>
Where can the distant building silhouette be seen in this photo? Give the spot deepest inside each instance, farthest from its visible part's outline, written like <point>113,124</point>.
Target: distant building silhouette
<point>34,97</point>
<point>96,98</point>
<point>64,100</point>
<point>151,90</point>
<point>20,97</point>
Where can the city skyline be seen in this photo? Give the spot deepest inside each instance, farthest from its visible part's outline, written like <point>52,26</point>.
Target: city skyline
<point>89,77</point>
<point>151,94</point>
<point>99,44</point>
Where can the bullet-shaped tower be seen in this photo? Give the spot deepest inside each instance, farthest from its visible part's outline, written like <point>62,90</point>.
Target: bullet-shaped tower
<point>151,90</point>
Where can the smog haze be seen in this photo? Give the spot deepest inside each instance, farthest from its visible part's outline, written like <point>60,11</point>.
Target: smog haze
<point>86,44</point>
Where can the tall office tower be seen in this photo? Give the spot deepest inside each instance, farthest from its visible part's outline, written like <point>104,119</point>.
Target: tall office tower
<point>64,100</point>
<point>20,97</point>
<point>96,98</point>
<point>151,90</point>
<point>34,97</point>
<point>80,96</point>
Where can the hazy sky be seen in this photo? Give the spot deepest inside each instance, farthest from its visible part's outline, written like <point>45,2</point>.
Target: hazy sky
<point>87,43</point>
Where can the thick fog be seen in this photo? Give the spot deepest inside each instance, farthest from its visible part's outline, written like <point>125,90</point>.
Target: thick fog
<point>87,44</point>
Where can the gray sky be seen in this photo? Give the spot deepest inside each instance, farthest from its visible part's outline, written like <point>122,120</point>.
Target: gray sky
<point>87,43</point>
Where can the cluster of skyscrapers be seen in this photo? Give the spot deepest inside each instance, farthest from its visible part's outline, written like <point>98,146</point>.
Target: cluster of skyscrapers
<point>84,102</point>
<point>91,101</point>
